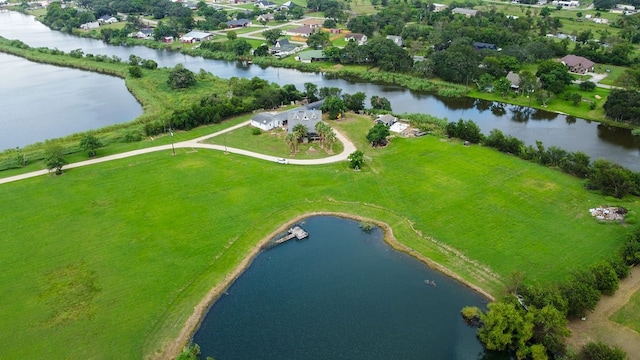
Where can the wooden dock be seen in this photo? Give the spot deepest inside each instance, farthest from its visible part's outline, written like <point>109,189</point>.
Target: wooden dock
<point>295,232</point>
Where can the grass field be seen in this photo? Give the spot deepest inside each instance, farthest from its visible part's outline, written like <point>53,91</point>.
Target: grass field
<point>629,315</point>
<point>108,261</point>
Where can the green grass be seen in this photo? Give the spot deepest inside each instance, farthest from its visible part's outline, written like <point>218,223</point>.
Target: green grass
<point>629,315</point>
<point>613,75</point>
<point>272,143</point>
<point>139,241</point>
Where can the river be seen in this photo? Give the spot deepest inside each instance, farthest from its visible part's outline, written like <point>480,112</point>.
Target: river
<point>596,140</point>
<point>340,294</point>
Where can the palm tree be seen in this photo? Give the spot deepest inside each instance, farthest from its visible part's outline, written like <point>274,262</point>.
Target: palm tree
<point>330,139</point>
<point>292,142</point>
<point>300,131</point>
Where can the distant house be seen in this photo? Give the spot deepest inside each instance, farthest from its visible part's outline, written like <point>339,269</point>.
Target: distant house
<point>265,17</point>
<point>464,11</point>
<point>396,39</point>
<point>283,48</point>
<point>303,31</point>
<point>90,25</point>
<point>265,4</point>
<point>439,7</point>
<point>566,4</point>
<point>578,64</point>
<point>287,5</point>
<point>238,23</point>
<point>514,79</point>
<point>167,39</point>
<point>107,19</point>
<point>484,46</point>
<point>313,23</point>
<point>195,36</point>
<point>143,34</point>
<point>310,56</point>
<point>386,119</point>
<point>361,39</point>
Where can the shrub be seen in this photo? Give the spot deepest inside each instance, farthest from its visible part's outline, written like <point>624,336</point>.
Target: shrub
<point>606,278</point>
<point>601,351</point>
<point>255,131</point>
<point>131,136</point>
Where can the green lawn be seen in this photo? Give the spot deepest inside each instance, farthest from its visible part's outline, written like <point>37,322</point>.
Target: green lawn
<point>108,261</point>
<point>272,143</point>
<point>629,315</point>
<point>614,73</point>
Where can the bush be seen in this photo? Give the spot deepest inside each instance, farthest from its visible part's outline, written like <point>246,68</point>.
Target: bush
<point>606,278</point>
<point>131,136</point>
<point>135,71</point>
<point>601,351</point>
<point>255,131</point>
<point>587,86</point>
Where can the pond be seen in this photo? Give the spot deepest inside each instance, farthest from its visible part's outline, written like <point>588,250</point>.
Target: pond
<point>342,293</point>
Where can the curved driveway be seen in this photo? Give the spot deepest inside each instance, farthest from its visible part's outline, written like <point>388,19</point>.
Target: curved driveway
<point>197,143</point>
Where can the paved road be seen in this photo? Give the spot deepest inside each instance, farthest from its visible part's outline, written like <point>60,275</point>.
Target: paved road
<point>197,143</point>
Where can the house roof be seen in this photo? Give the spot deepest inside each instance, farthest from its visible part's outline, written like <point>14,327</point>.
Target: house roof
<point>304,29</point>
<point>238,22</point>
<point>198,35</point>
<point>284,45</point>
<point>484,46</point>
<point>106,17</point>
<point>309,118</point>
<point>396,39</point>
<point>513,78</point>
<point>312,22</point>
<point>265,3</point>
<point>354,36</point>
<point>386,119</point>
<point>464,11</point>
<point>311,54</point>
<point>577,61</point>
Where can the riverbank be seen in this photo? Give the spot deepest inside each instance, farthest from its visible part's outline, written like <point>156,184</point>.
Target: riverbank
<point>174,348</point>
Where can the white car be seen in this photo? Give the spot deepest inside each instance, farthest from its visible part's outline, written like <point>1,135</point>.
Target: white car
<point>282,161</point>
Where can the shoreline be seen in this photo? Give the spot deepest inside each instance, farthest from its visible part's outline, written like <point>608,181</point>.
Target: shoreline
<point>172,350</point>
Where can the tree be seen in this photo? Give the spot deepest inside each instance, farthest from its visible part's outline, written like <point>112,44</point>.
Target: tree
<point>550,328</point>
<point>601,351</point>
<point>135,71</point>
<point>581,293</point>
<point>380,103</point>
<point>502,86</point>
<point>300,131</point>
<point>354,102</point>
<point>292,142</point>
<point>90,143</point>
<point>319,40</point>
<point>506,327</point>
<point>587,86</point>
<point>232,35</point>
<point>181,77</point>
<point>611,178</point>
<point>54,157</point>
<point>356,159</point>
<point>334,106</point>
<point>311,91</point>
<point>272,35</point>
<point>553,76</point>
<point>241,46</point>
<point>606,278</point>
<point>377,135</point>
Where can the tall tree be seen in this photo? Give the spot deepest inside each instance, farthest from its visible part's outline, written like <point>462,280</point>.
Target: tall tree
<point>54,157</point>
<point>90,143</point>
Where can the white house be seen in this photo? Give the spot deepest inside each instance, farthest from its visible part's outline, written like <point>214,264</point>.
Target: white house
<point>361,39</point>
<point>107,19</point>
<point>267,121</point>
<point>90,25</point>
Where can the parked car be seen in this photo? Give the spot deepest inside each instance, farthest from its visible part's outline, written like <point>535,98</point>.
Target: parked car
<point>282,161</point>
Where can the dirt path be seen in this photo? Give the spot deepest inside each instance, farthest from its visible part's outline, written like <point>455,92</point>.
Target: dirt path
<point>598,327</point>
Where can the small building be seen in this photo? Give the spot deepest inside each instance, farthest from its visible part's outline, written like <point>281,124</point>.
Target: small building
<point>361,39</point>
<point>283,48</point>
<point>386,119</point>
<point>514,79</point>
<point>396,39</point>
<point>267,121</point>
<point>167,39</point>
<point>578,64</point>
<point>238,23</point>
<point>313,23</point>
<point>90,25</point>
<point>464,11</point>
<point>308,118</point>
<point>439,7</point>
<point>143,34</point>
<point>310,56</point>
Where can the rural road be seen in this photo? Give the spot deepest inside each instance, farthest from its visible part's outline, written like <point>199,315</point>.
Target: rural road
<point>197,143</point>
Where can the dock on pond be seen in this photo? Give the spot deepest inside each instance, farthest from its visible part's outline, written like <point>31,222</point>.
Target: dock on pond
<point>295,232</point>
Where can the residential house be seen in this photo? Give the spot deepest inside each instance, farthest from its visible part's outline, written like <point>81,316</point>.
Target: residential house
<point>143,34</point>
<point>313,23</point>
<point>107,19</point>
<point>464,11</point>
<point>361,39</point>
<point>167,39</point>
<point>238,23</point>
<point>439,7</point>
<point>484,46</point>
<point>514,79</point>
<point>90,25</point>
<point>386,119</point>
<point>287,5</point>
<point>396,39</point>
<point>310,56</point>
<point>265,4</point>
<point>309,118</point>
<point>303,31</point>
<point>265,17</point>
<point>283,48</point>
<point>269,120</point>
<point>195,36</point>
<point>600,20</point>
<point>578,64</point>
